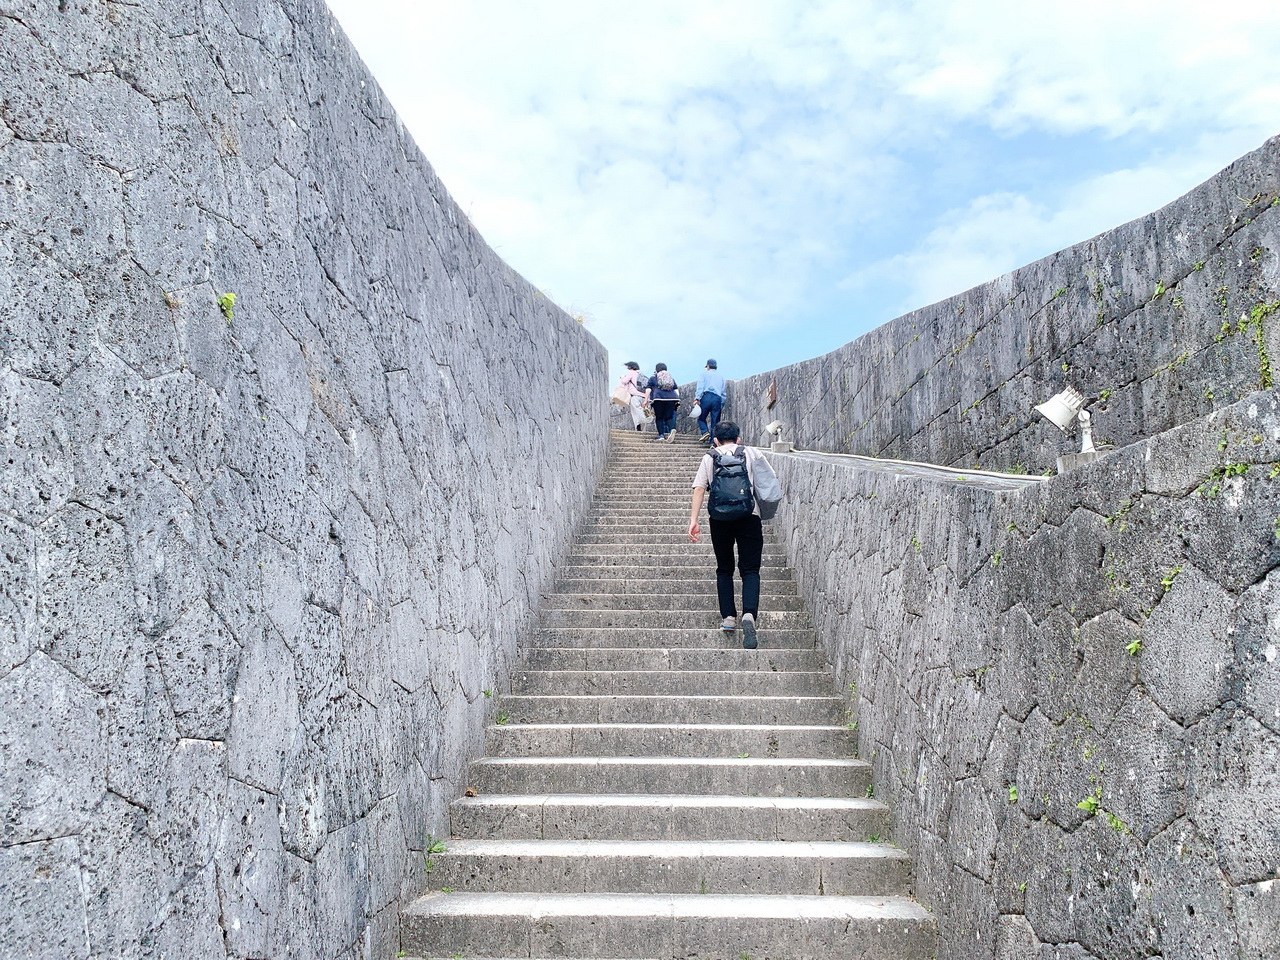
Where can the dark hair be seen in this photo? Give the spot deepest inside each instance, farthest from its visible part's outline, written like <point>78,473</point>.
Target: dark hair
<point>727,431</point>
<point>711,364</point>
<point>660,366</point>
<point>631,364</point>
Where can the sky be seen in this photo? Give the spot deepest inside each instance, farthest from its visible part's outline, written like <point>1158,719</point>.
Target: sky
<point>762,181</point>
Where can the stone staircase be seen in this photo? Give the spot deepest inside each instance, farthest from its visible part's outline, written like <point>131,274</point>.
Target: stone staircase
<point>652,789</point>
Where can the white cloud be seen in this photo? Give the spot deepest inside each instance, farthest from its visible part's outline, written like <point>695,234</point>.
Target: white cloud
<point>689,174</point>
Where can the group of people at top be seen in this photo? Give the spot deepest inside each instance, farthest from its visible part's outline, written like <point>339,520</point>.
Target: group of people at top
<point>661,392</point>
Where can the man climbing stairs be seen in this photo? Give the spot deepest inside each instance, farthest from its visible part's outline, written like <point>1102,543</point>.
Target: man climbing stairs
<point>652,789</point>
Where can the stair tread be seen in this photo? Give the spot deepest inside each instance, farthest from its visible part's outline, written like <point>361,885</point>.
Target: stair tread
<point>830,762</point>
<point>708,905</point>
<point>675,849</point>
<point>571,674</point>
<point>725,800</point>
<point>751,727</point>
<point>652,698</point>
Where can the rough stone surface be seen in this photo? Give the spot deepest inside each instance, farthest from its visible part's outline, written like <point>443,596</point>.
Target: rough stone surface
<point>1158,322</point>
<point>260,564</point>
<point>1066,693</point>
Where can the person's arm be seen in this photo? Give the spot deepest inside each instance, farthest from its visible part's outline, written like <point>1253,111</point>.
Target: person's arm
<point>701,480</point>
<point>695,508</point>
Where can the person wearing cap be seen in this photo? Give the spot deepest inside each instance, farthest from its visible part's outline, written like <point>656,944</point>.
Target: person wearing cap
<point>631,382</point>
<point>709,395</point>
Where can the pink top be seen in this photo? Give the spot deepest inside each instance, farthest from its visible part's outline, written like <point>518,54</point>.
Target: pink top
<point>628,380</point>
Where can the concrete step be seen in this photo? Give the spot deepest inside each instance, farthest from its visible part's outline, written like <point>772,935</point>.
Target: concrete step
<point>672,530</point>
<point>647,469</point>
<point>611,543</point>
<point>708,637</point>
<point>668,504</point>
<point>641,468</point>
<point>602,659</point>
<point>709,927</point>
<point>749,776</point>
<point>618,586</point>
<point>627,491</point>
<point>660,683</point>
<point>680,547</point>
<point>822,710</point>
<point>695,603</point>
<point>808,868</point>
<point>649,446</point>
<point>638,512</point>
<point>667,740</point>
<point>640,615</point>
<point>619,567</point>
<point>625,557</point>
<point>667,817</point>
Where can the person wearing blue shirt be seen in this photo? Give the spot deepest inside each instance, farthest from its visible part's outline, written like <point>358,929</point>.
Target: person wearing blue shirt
<point>710,397</point>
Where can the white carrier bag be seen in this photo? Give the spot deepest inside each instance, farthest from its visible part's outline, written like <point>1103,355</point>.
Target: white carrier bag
<point>767,489</point>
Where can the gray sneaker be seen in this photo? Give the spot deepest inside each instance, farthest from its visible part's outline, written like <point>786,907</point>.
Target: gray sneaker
<point>729,624</point>
<point>705,436</point>
<point>748,631</point>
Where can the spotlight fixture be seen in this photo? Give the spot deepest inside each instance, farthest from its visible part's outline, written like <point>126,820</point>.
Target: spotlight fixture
<point>1063,410</point>
<point>779,445</point>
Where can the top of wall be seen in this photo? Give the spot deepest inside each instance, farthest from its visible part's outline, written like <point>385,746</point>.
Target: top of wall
<point>1159,321</point>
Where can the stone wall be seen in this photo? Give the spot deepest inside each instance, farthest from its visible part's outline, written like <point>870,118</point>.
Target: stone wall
<point>261,561</point>
<point>1070,694</point>
<point>1159,321</point>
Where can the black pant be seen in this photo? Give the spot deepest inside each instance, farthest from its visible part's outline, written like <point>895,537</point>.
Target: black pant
<point>664,411</point>
<point>749,536</point>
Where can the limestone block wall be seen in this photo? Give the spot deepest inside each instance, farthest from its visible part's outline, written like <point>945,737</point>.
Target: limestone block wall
<point>262,559</point>
<point>1158,322</point>
<point>1070,693</point>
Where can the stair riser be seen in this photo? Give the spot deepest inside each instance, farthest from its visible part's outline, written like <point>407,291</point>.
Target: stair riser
<point>621,563</point>
<point>690,617</point>
<point>620,586</point>
<point>633,544</point>
<point>568,741</point>
<point>666,683</point>
<point>633,500</point>
<point>715,938</point>
<point>650,514</point>
<point>646,605</point>
<point>650,536</point>
<point>650,637</point>
<point>689,568</point>
<point>646,545</point>
<point>656,472</point>
<point>550,821</point>
<point>817,711</point>
<point>736,778</point>
<point>664,659</point>
<point>807,876</point>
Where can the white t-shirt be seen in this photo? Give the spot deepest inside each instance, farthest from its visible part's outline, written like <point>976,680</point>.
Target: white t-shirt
<point>706,467</point>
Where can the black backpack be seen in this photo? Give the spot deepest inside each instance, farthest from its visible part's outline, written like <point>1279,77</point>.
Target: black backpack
<point>730,493</point>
